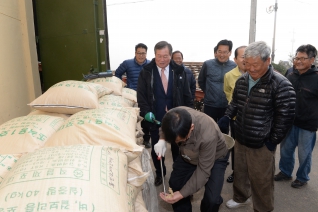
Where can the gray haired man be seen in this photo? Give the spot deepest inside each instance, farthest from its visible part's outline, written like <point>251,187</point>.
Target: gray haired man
<point>264,105</point>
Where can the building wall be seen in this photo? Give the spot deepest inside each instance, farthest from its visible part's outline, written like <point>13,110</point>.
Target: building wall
<point>20,82</point>
<point>70,42</point>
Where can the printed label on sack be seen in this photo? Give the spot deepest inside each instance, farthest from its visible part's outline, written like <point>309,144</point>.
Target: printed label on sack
<point>68,165</point>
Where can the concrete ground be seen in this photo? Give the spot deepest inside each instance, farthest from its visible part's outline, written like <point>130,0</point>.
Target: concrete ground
<point>287,199</point>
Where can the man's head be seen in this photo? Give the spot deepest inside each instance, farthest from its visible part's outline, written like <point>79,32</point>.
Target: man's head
<point>305,57</point>
<point>239,57</point>
<point>163,51</point>
<point>224,50</point>
<point>257,59</point>
<point>215,50</point>
<point>177,57</point>
<point>177,126</point>
<point>141,52</point>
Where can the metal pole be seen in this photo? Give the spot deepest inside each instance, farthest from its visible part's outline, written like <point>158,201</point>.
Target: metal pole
<point>273,47</point>
<point>96,23</point>
<point>107,63</point>
<point>253,21</point>
<point>293,41</point>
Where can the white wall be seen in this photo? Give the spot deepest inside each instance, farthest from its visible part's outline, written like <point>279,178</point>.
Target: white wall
<point>20,82</point>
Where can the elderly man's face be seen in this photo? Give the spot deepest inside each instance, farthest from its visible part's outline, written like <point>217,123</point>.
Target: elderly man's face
<point>256,67</point>
<point>162,57</point>
<point>239,60</point>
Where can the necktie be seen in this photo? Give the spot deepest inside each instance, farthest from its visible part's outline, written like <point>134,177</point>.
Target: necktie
<point>164,80</point>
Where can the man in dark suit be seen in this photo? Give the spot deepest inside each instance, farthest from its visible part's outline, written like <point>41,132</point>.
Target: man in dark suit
<point>162,85</point>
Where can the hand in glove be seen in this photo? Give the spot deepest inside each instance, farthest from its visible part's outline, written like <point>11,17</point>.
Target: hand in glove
<point>160,148</point>
<point>270,146</point>
<point>224,124</point>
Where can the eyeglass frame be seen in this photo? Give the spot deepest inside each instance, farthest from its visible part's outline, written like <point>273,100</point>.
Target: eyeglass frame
<point>141,53</point>
<point>301,59</point>
<point>223,53</point>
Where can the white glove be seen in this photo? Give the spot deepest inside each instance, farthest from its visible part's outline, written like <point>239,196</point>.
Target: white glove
<point>160,148</point>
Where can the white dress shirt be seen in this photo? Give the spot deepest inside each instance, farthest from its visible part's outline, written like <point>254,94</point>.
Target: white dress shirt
<point>166,72</point>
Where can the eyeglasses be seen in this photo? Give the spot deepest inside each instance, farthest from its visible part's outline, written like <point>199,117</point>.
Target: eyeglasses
<point>220,52</point>
<point>302,59</point>
<point>141,53</point>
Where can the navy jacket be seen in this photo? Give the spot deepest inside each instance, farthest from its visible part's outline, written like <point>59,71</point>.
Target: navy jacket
<point>181,95</point>
<point>192,81</point>
<point>132,70</point>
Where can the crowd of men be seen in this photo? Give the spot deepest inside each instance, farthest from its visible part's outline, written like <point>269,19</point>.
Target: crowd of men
<point>247,98</point>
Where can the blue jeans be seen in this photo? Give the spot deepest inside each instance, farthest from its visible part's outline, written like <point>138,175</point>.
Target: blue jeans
<point>305,140</point>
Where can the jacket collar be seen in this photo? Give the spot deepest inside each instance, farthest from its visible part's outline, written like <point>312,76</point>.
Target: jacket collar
<point>216,59</point>
<point>312,69</point>
<point>145,62</point>
<point>236,71</point>
<point>265,78</point>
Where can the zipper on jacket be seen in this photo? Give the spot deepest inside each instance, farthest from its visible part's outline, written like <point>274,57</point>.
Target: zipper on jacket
<point>243,116</point>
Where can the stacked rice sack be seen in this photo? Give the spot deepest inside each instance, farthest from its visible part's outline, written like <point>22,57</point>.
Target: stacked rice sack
<point>77,151</point>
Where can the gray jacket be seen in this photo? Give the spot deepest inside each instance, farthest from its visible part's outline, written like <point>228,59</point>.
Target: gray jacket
<point>205,145</point>
<point>211,80</point>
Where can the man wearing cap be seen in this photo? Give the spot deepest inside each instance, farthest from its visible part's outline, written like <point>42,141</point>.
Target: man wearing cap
<point>202,160</point>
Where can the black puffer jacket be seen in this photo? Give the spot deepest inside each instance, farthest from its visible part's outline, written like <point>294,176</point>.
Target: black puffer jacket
<point>181,91</point>
<point>267,113</point>
<point>306,87</point>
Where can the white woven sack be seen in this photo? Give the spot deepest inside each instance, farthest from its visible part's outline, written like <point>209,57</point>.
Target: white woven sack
<point>27,133</point>
<point>72,178</point>
<point>113,83</point>
<point>69,97</point>
<point>129,94</point>
<point>110,126</point>
<point>6,164</point>
<point>132,192</point>
<point>40,112</point>
<point>114,101</point>
<point>140,205</point>
<point>136,176</point>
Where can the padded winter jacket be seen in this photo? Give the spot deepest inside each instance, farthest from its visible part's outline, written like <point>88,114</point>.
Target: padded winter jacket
<point>306,88</point>
<point>211,80</point>
<point>132,70</point>
<point>267,113</point>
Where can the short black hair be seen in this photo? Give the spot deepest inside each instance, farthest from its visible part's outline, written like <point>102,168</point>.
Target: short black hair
<point>175,52</point>
<point>215,49</point>
<point>177,122</point>
<point>141,45</point>
<point>236,50</point>
<point>225,43</point>
<point>310,50</point>
<point>163,44</point>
